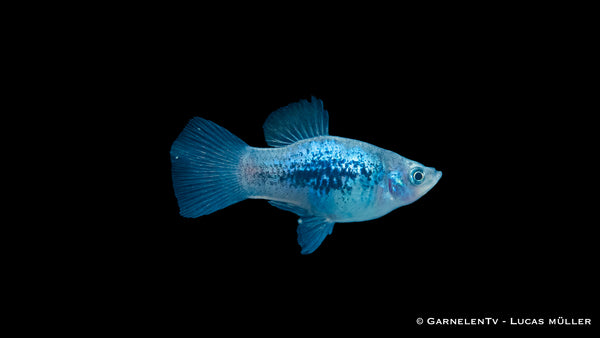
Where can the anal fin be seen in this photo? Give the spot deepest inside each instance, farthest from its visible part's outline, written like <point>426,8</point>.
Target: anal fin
<point>312,230</point>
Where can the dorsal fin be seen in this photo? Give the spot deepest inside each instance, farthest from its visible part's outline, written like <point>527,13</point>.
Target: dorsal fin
<point>295,122</point>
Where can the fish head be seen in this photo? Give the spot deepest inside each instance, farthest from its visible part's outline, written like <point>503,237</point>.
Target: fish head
<point>406,181</point>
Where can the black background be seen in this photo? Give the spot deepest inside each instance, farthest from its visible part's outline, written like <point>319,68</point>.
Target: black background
<point>504,114</point>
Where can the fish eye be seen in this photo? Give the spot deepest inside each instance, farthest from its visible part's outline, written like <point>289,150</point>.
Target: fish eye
<point>417,176</point>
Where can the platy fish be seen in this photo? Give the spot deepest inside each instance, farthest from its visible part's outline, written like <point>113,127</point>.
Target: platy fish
<point>323,179</point>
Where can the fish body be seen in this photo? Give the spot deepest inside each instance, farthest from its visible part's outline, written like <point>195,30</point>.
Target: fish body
<point>331,177</point>
<point>324,179</point>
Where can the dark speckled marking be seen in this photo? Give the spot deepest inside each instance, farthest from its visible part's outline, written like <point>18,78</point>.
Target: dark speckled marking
<point>322,175</point>
<point>325,171</point>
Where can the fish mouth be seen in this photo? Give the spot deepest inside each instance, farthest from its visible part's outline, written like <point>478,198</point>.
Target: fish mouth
<point>424,189</point>
<point>438,176</point>
<point>436,179</point>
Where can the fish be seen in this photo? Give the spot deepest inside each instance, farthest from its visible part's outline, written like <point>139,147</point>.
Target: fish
<point>321,178</point>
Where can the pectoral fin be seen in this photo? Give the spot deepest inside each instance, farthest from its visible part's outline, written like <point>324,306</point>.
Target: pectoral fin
<point>312,231</point>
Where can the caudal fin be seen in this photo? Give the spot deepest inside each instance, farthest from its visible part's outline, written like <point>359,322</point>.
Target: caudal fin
<point>204,160</point>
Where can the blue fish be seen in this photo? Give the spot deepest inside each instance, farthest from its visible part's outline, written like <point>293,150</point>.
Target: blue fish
<point>323,179</point>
